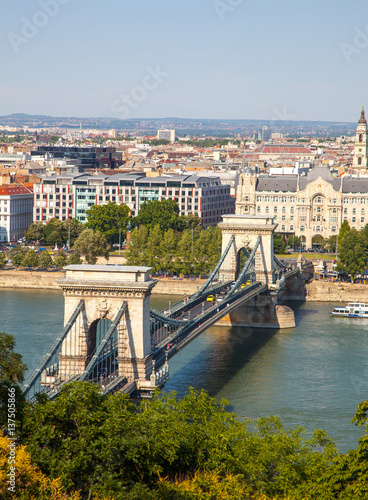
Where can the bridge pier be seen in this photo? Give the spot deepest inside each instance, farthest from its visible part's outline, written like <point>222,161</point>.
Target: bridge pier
<point>261,311</point>
<point>246,229</point>
<point>104,288</point>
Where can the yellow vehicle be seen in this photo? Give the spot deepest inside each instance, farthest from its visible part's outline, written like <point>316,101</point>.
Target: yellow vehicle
<point>243,285</point>
<point>210,298</point>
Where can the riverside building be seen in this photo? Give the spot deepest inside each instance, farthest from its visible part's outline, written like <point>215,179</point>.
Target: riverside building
<point>311,206</point>
<point>69,196</point>
<point>15,212</point>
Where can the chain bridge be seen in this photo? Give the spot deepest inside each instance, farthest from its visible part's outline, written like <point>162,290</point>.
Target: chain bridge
<point>112,338</point>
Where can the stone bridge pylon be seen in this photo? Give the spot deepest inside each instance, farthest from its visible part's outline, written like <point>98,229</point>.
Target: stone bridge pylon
<point>246,230</point>
<point>104,290</point>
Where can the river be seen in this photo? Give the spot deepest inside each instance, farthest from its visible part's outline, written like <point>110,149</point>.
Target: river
<point>312,375</point>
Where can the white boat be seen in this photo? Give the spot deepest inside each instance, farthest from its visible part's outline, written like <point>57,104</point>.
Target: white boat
<point>352,310</point>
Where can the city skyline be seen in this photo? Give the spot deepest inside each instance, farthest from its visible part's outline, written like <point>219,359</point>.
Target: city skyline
<point>219,59</point>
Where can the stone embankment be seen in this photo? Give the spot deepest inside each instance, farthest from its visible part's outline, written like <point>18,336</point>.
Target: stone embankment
<point>317,291</point>
<point>325,291</point>
<point>47,280</point>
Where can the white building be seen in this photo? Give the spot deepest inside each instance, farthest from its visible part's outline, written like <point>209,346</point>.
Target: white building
<point>16,204</point>
<point>69,196</point>
<point>166,134</point>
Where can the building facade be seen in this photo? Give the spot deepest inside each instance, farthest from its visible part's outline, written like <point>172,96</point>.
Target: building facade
<point>69,196</point>
<point>16,204</point>
<point>311,207</point>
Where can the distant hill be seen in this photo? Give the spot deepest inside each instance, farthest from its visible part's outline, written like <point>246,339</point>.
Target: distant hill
<point>183,126</point>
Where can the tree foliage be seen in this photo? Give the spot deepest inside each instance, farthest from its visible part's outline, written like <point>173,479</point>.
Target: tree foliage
<point>109,219</point>
<point>106,445</point>
<point>165,214</point>
<point>352,255</point>
<point>30,259</point>
<point>11,375</point>
<point>45,260</point>
<point>189,251</point>
<point>30,483</point>
<point>91,244</point>
<point>54,232</point>
<point>3,259</point>
<point>279,243</point>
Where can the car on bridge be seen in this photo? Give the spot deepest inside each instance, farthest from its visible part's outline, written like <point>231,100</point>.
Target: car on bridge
<point>210,298</point>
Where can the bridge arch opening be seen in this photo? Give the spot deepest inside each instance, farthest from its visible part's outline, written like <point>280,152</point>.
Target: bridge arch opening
<point>96,333</point>
<point>241,258</point>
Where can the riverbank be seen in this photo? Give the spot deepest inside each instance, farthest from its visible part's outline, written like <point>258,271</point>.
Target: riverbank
<point>324,291</point>
<point>317,291</point>
<point>47,280</point>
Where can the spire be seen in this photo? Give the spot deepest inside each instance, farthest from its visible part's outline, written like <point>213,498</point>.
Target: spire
<point>362,117</point>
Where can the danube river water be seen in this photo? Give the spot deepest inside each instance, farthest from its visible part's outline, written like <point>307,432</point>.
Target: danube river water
<point>313,375</point>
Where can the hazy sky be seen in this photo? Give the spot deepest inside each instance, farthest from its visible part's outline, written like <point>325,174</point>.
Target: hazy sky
<point>292,60</point>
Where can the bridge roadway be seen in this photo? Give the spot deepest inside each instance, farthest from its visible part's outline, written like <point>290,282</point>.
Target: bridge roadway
<point>200,317</point>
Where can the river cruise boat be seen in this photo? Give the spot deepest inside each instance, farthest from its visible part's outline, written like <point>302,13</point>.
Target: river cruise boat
<point>352,310</point>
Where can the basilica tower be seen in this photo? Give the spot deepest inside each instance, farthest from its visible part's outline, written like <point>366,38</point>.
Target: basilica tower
<point>360,146</point>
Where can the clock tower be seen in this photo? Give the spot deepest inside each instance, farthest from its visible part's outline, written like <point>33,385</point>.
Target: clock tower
<point>360,146</point>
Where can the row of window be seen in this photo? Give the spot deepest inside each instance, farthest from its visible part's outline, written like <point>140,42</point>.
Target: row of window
<point>316,200</point>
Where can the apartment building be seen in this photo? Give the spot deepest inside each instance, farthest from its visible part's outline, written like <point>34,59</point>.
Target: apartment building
<point>15,212</point>
<point>69,196</point>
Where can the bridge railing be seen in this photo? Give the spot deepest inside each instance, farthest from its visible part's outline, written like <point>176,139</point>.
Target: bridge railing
<point>46,376</point>
<point>184,305</point>
<point>219,309</point>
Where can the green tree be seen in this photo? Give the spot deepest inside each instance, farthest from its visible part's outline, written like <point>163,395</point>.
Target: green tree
<point>191,221</point>
<point>109,219</point>
<point>343,229</point>
<point>185,257</point>
<point>107,446</point>
<point>293,241</point>
<point>207,249</point>
<point>165,213</point>
<point>168,247</point>
<point>61,259</point>
<point>330,243</point>
<point>30,259</point>
<point>55,232</point>
<point>153,250</point>
<point>279,243</point>
<point>352,257</point>
<point>75,258</point>
<point>92,244</point>
<point>72,228</point>
<point>3,259</point>
<point>36,232</point>
<point>11,375</point>
<point>136,254</point>
<point>45,260</point>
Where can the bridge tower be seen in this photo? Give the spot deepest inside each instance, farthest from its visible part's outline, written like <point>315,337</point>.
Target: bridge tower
<point>103,289</point>
<point>246,229</point>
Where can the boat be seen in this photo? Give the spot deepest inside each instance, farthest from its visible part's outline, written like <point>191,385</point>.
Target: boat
<point>352,310</point>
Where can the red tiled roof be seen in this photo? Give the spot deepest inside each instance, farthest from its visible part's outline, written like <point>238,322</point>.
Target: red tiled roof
<point>9,190</point>
<point>283,150</point>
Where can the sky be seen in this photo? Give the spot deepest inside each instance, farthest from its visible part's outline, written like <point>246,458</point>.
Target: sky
<point>220,59</point>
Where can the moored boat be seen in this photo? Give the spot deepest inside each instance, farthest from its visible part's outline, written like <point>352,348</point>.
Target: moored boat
<point>351,310</point>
